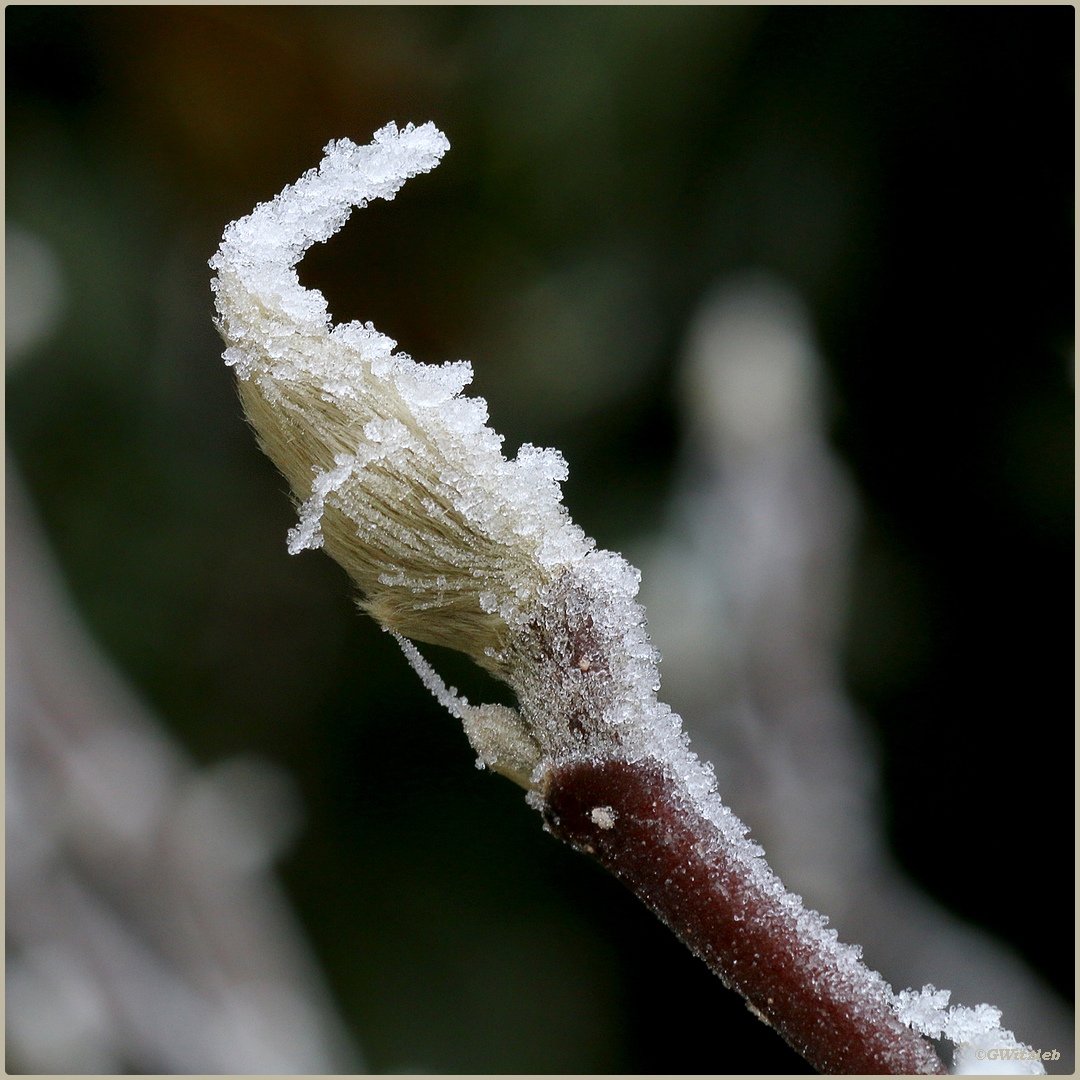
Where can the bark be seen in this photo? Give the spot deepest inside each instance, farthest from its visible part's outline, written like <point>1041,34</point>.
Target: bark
<point>633,820</point>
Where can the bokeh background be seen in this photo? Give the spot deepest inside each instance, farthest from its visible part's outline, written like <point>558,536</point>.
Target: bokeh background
<point>907,172</point>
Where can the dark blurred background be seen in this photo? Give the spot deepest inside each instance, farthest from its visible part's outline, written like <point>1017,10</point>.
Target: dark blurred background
<point>908,170</point>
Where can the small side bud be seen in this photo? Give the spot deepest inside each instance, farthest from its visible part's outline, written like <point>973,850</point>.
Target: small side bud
<point>499,736</point>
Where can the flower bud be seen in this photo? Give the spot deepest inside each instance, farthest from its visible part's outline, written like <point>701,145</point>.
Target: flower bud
<point>397,476</point>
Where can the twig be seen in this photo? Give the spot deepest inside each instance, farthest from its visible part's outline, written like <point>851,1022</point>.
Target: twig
<point>403,483</point>
<point>634,820</point>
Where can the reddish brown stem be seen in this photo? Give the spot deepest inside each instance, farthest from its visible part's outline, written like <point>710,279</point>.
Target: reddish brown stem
<point>632,818</point>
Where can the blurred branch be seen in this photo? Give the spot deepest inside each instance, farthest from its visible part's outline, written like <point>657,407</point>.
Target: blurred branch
<point>745,591</point>
<point>145,929</point>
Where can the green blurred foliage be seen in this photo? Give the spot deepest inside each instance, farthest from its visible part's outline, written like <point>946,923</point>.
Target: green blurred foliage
<point>908,169</point>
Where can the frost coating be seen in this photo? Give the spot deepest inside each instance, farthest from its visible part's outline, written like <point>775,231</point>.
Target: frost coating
<point>973,1032</point>
<point>399,478</point>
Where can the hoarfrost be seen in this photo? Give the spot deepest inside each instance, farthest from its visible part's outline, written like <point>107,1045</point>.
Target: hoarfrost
<point>376,447</point>
<point>982,1045</point>
<point>306,532</point>
<point>449,699</point>
<point>400,479</point>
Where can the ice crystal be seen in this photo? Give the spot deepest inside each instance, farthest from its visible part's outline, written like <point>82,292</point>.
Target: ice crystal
<point>974,1032</point>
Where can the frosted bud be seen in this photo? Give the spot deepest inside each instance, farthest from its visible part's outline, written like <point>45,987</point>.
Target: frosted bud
<point>398,477</point>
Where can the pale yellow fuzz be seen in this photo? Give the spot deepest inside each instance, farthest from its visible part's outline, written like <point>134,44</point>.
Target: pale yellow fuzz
<point>437,601</point>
